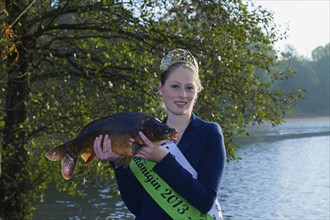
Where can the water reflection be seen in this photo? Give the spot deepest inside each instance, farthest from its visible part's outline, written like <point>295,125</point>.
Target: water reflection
<point>288,179</point>
<point>98,204</point>
<point>284,174</point>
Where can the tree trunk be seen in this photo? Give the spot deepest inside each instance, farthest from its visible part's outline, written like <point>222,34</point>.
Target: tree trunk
<point>15,184</point>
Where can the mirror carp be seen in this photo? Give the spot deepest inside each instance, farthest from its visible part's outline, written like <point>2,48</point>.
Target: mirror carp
<point>120,127</point>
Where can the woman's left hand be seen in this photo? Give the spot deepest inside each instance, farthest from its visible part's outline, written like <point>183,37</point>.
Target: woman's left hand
<point>151,151</point>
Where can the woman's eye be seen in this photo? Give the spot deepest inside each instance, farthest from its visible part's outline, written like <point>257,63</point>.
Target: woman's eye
<point>190,88</point>
<point>175,86</point>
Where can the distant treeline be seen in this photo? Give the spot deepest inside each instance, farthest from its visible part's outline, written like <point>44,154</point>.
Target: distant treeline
<point>312,75</point>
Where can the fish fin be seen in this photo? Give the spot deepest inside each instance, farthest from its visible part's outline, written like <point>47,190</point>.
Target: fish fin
<point>57,153</point>
<point>126,162</point>
<point>136,147</point>
<point>95,123</point>
<point>119,161</point>
<point>90,158</point>
<point>68,165</point>
<point>85,156</point>
<point>88,155</point>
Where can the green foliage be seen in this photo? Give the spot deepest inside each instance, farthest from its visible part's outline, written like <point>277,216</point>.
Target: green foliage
<point>311,76</point>
<point>80,60</point>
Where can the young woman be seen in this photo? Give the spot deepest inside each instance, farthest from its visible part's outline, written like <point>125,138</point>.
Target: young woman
<point>183,179</point>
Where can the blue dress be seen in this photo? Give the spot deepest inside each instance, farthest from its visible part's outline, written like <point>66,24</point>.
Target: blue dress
<point>203,146</point>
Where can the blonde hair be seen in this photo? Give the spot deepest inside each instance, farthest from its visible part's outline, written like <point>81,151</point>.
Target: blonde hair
<point>165,75</point>
<point>179,58</point>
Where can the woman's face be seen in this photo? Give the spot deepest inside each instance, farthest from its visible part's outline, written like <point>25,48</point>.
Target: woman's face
<point>179,91</point>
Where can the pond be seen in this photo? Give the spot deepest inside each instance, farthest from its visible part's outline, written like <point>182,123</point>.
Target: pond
<point>283,174</point>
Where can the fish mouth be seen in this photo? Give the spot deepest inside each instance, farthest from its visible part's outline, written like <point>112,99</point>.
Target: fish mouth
<point>174,135</point>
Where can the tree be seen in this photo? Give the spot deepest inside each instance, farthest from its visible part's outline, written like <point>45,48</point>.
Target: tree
<point>321,93</point>
<point>66,63</point>
<point>311,75</point>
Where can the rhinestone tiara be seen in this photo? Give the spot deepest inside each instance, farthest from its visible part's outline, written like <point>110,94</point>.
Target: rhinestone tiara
<point>178,56</point>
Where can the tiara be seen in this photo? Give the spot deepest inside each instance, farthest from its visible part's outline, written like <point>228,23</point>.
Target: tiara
<point>178,56</point>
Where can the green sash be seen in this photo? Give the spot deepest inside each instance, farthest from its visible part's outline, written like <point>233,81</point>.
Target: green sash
<point>170,201</point>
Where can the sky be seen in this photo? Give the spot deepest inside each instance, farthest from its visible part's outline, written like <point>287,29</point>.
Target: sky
<point>307,20</point>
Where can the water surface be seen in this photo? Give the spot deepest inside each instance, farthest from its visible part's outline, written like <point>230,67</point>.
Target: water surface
<point>283,174</point>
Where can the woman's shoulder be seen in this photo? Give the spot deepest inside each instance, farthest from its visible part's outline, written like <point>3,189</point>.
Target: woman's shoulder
<point>210,132</point>
<point>208,126</point>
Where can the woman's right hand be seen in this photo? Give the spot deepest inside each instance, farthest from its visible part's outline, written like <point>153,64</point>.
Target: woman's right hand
<point>104,152</point>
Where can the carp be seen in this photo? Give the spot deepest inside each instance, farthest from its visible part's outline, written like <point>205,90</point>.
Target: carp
<point>120,127</point>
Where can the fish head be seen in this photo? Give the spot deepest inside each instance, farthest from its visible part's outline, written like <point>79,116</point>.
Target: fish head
<point>157,131</point>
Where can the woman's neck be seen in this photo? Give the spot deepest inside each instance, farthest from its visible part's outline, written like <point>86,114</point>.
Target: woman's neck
<point>179,122</point>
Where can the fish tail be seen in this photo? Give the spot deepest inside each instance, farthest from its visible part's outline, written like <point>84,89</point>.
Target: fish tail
<point>68,165</point>
<point>68,162</point>
<point>57,153</point>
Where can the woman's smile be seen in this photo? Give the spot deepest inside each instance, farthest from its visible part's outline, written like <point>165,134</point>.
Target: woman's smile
<point>180,104</point>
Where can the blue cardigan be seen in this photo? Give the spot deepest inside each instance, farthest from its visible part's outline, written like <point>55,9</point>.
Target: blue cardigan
<point>203,146</point>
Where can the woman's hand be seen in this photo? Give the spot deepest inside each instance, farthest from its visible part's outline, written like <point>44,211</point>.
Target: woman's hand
<point>150,151</point>
<point>104,152</point>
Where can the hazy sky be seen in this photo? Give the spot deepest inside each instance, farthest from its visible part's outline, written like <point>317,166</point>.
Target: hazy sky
<point>308,22</point>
